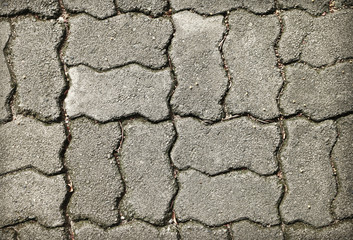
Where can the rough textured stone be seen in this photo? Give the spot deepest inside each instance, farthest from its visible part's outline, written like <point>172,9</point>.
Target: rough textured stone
<point>202,81</point>
<point>321,93</point>
<point>37,68</point>
<point>5,78</point>
<point>237,143</point>
<point>28,195</point>
<point>343,3</point>
<point>48,8</point>
<point>342,155</point>
<point>339,231</point>
<point>26,142</point>
<point>246,230</point>
<point>7,234</point>
<point>227,197</point>
<point>131,230</point>
<point>117,41</point>
<point>308,172</point>
<point>196,231</point>
<point>93,171</point>
<point>316,7</point>
<point>153,7</point>
<point>118,93</point>
<point>34,231</point>
<point>218,6</point>
<point>249,51</point>
<point>317,41</point>
<point>146,170</point>
<point>100,9</point>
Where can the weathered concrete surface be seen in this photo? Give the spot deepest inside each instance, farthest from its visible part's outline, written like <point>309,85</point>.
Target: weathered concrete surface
<point>249,52</point>
<point>5,79</point>
<point>150,7</point>
<point>7,234</point>
<point>308,173</point>
<point>117,41</point>
<point>202,81</point>
<point>342,156</point>
<point>36,66</point>
<point>93,169</point>
<point>197,231</point>
<point>227,197</point>
<point>47,8</point>
<point>26,142</point>
<point>320,94</point>
<point>232,144</point>
<point>315,7</point>
<point>246,230</point>
<point>34,231</point>
<point>99,9</point>
<point>28,195</point>
<point>118,93</point>
<point>146,171</point>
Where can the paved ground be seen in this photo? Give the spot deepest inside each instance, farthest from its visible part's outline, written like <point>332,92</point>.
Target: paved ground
<point>179,119</point>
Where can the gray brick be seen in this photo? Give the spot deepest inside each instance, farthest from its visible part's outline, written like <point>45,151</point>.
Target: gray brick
<point>250,55</point>
<point>237,143</point>
<point>316,7</point>
<point>118,93</point>
<point>100,9</point>
<point>94,172</point>
<point>47,8</point>
<point>34,231</point>
<point>196,231</point>
<point>246,230</point>
<point>153,7</point>
<point>308,172</point>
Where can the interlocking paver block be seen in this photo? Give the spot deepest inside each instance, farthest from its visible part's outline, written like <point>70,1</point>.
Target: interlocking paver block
<point>134,230</point>
<point>48,8</point>
<point>237,143</point>
<point>308,172</point>
<point>343,3</point>
<point>99,9</point>
<point>153,7</point>
<point>119,93</point>
<point>317,41</point>
<point>34,231</point>
<point>117,41</point>
<point>196,231</point>
<point>94,171</point>
<point>339,231</point>
<point>316,7</point>
<point>342,156</point>
<point>36,65</point>
<point>5,78</point>
<point>218,6</point>
<point>202,81</point>
<point>227,197</point>
<point>318,93</point>
<point>246,230</point>
<point>7,234</point>
<point>28,195</point>
<point>146,170</point>
<point>249,51</point>
<point>27,142</point>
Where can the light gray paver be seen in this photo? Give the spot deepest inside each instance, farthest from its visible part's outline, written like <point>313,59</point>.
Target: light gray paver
<point>117,41</point>
<point>316,7</point>
<point>227,197</point>
<point>249,52</point>
<point>94,172</point>
<point>153,7</point>
<point>246,230</point>
<point>96,8</point>
<point>27,142</point>
<point>48,8</point>
<point>320,94</point>
<point>7,234</point>
<point>342,156</point>
<point>202,81</point>
<point>34,231</point>
<point>146,170</point>
<point>36,66</point>
<point>308,172</point>
<point>236,143</point>
<point>28,194</point>
<point>118,93</point>
<point>196,231</point>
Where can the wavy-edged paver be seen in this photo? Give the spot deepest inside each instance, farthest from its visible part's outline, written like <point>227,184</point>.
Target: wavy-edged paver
<point>34,231</point>
<point>249,52</point>
<point>28,195</point>
<point>118,93</point>
<point>117,41</point>
<point>197,231</point>
<point>308,172</point>
<point>227,197</point>
<point>26,142</point>
<point>342,155</point>
<point>318,93</point>
<point>36,66</point>
<point>99,9</point>
<point>153,7</point>
<point>202,81</point>
<point>236,143</point>
<point>315,7</point>
<point>5,78</point>
<point>146,170</point>
<point>134,230</point>
<point>47,8</point>
<point>94,172</point>
<point>245,230</point>
<point>316,40</point>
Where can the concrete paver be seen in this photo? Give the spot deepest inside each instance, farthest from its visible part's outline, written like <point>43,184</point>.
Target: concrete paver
<point>246,230</point>
<point>99,9</point>
<point>315,7</point>
<point>34,231</point>
<point>194,230</point>
<point>150,7</point>
<point>46,8</point>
